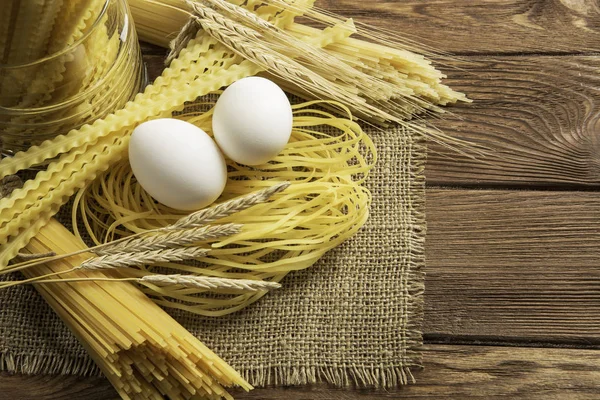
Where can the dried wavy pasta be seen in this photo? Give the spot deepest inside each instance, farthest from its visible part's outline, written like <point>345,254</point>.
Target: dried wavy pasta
<point>326,161</point>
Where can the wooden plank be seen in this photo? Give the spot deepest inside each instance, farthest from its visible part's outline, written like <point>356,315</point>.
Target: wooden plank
<point>480,372</point>
<point>459,372</point>
<point>484,27</point>
<point>54,387</point>
<point>539,116</point>
<point>513,265</point>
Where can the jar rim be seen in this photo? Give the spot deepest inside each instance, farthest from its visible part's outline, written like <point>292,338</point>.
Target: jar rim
<point>64,50</point>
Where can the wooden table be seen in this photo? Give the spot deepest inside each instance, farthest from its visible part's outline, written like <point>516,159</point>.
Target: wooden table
<point>513,247</point>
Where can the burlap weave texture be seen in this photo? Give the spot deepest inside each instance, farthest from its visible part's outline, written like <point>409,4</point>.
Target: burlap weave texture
<point>354,318</point>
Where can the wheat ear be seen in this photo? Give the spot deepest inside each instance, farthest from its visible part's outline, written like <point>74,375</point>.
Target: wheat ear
<point>209,283</point>
<point>232,36</point>
<point>334,67</point>
<point>227,208</point>
<point>170,239</point>
<point>127,260</point>
<point>240,12</point>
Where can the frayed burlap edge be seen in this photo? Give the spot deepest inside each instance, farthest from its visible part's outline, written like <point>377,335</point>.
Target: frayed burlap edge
<point>30,364</point>
<point>415,270</point>
<point>383,377</point>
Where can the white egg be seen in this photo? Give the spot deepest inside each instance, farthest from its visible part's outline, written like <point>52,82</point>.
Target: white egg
<point>252,121</point>
<point>177,163</point>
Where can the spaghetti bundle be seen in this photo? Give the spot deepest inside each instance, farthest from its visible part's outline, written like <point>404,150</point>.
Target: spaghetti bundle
<point>326,161</point>
<point>144,352</point>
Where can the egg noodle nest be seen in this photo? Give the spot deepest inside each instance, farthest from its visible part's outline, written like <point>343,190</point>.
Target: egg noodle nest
<point>326,160</point>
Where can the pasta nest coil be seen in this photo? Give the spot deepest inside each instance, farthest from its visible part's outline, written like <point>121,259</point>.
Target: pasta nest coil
<point>326,161</point>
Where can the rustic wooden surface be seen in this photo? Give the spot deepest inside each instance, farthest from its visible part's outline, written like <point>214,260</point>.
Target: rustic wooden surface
<point>506,265</point>
<point>537,115</point>
<point>513,276</point>
<point>451,372</point>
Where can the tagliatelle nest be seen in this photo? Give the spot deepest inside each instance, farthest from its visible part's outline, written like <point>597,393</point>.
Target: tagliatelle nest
<point>326,161</point>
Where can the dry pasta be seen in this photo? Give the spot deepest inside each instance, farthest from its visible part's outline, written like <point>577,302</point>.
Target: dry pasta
<point>142,351</point>
<point>326,161</point>
<point>203,67</point>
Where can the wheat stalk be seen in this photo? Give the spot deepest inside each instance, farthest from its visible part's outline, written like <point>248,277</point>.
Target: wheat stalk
<point>286,67</point>
<point>190,29</point>
<point>209,283</point>
<point>316,58</point>
<point>241,13</point>
<point>35,256</point>
<point>235,37</point>
<point>188,281</point>
<point>229,207</point>
<point>170,239</point>
<point>317,72</point>
<point>258,53</point>
<point>195,220</point>
<point>207,13</point>
<point>127,260</point>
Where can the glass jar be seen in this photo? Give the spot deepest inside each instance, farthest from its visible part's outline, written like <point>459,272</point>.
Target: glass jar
<point>63,64</point>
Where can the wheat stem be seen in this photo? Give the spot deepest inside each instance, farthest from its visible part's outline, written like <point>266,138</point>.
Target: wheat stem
<point>188,281</point>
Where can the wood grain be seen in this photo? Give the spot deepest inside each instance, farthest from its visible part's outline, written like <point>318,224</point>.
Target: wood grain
<point>54,387</point>
<point>513,265</point>
<point>539,116</point>
<point>484,27</point>
<point>481,372</point>
<point>451,372</point>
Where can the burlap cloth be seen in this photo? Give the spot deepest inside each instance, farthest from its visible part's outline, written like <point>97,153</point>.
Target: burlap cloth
<point>352,319</point>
